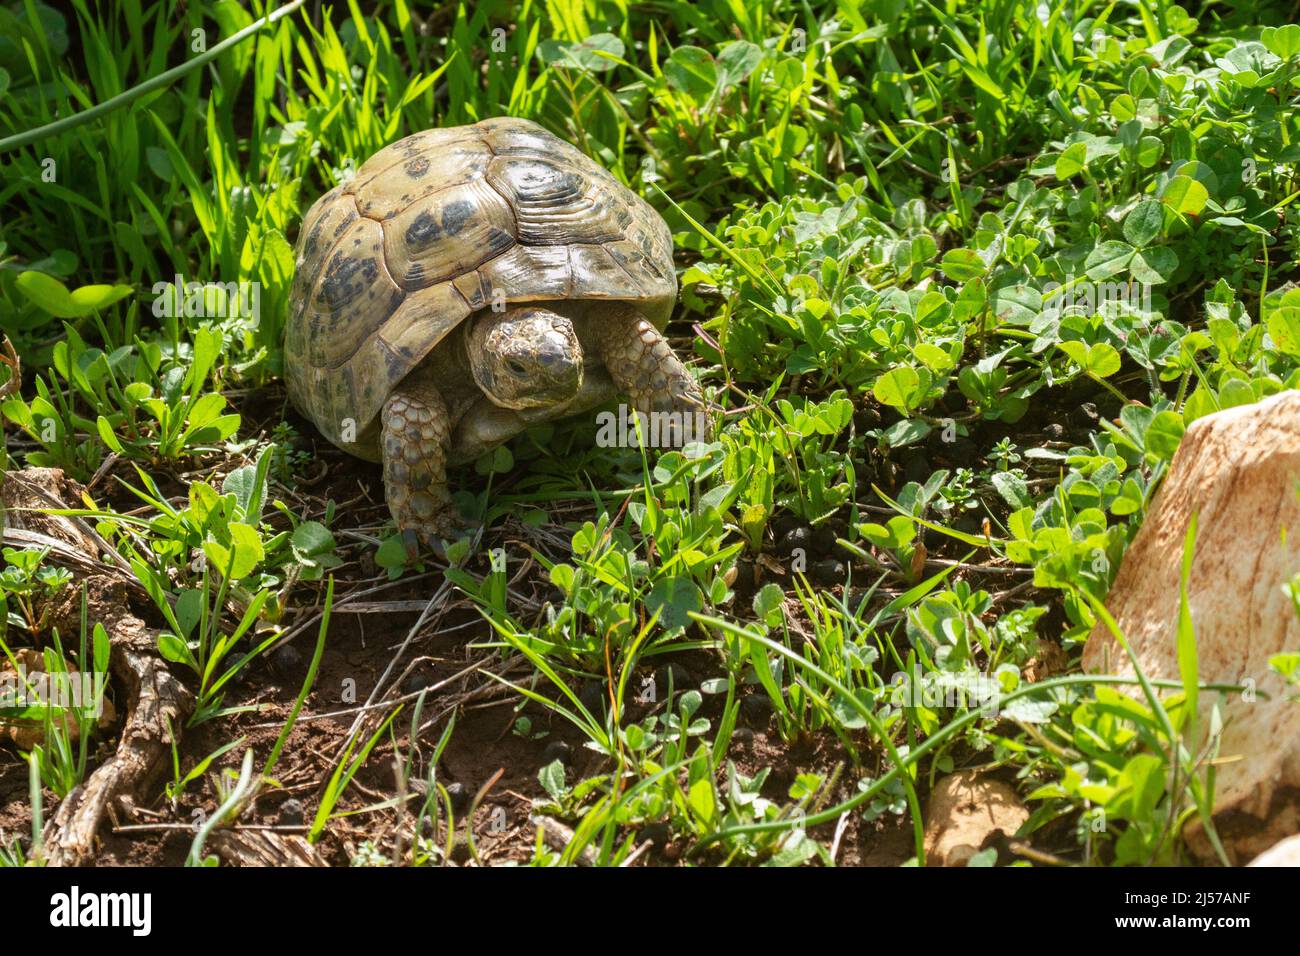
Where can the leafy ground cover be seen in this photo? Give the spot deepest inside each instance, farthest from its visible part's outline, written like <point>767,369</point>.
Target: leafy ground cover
<point>957,274</point>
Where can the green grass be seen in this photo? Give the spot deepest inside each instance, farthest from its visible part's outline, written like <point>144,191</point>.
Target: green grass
<point>960,275</point>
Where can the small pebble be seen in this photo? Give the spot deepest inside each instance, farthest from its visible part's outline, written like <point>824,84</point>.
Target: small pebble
<point>291,813</point>
<point>1055,431</point>
<point>866,418</point>
<point>459,796</point>
<point>460,851</point>
<point>743,736</point>
<point>798,537</point>
<point>415,683</point>
<point>681,678</point>
<point>828,573</point>
<point>557,750</point>
<point>285,660</point>
<point>1085,416</point>
<point>823,540</point>
<point>953,401</point>
<point>756,708</point>
<point>784,525</point>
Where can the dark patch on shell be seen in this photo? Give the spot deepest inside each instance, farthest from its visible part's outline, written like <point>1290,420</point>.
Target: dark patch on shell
<point>423,230</point>
<point>455,214</point>
<point>397,364</point>
<point>498,241</point>
<point>346,278</point>
<point>499,238</point>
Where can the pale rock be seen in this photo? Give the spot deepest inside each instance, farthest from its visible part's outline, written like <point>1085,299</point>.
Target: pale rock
<point>1286,853</point>
<point>1238,471</point>
<point>966,814</point>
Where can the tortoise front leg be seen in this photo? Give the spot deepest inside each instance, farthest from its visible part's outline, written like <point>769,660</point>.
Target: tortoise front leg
<point>646,369</point>
<point>416,434</point>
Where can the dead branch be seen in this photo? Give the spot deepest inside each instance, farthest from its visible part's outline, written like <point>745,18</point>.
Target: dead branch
<point>155,699</point>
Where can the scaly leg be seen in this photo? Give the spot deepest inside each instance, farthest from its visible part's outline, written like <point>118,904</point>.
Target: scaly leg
<point>416,433</point>
<point>645,368</point>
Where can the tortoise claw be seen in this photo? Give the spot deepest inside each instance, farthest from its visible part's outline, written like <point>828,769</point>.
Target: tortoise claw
<point>411,540</point>
<point>436,537</point>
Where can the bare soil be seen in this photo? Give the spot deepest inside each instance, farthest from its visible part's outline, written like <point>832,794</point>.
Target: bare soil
<point>361,645</point>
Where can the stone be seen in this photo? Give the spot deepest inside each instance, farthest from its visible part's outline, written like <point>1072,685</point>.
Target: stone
<point>1286,853</point>
<point>1238,471</point>
<point>967,813</point>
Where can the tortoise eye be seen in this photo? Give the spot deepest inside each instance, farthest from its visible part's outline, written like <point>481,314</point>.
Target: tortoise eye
<point>515,367</point>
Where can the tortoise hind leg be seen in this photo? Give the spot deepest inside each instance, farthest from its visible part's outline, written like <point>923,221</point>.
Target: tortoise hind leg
<point>416,432</point>
<point>645,368</point>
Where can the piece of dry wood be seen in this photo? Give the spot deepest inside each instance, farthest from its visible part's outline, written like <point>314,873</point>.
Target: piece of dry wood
<point>28,494</point>
<point>156,703</point>
<point>381,607</point>
<point>156,707</point>
<point>558,837</point>
<point>263,848</point>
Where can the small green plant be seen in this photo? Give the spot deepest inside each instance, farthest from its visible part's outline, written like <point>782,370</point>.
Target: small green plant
<point>12,853</point>
<point>25,582</point>
<point>1143,762</point>
<point>346,769</point>
<point>63,700</point>
<point>145,408</point>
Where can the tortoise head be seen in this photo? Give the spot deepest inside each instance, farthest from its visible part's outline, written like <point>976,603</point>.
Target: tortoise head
<point>525,357</point>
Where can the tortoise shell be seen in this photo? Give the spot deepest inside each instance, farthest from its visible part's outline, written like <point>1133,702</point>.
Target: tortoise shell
<point>438,226</point>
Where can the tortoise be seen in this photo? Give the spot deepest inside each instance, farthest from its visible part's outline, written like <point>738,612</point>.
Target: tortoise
<point>466,284</point>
